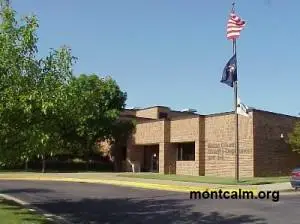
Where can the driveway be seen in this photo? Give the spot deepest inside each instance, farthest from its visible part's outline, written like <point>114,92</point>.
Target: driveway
<point>95,203</point>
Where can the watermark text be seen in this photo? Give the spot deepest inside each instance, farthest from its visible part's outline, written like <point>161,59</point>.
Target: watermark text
<point>235,194</point>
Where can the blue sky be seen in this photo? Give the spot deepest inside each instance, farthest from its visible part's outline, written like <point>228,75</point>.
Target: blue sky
<point>172,52</point>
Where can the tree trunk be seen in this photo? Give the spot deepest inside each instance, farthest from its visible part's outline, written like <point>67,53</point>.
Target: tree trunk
<point>26,165</point>
<point>87,156</point>
<point>43,164</point>
<point>86,161</point>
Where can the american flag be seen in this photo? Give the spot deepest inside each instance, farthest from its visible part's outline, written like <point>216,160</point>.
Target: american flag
<point>234,26</point>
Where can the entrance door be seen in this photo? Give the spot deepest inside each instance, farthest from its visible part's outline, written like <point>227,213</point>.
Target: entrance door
<point>154,162</point>
<point>151,158</point>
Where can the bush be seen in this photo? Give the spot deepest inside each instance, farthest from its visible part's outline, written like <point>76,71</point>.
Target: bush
<point>64,166</point>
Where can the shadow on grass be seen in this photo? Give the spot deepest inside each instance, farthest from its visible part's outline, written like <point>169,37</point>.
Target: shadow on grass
<point>130,210</point>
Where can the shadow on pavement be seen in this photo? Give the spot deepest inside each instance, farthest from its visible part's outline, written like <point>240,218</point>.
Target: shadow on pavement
<point>126,210</point>
<point>24,190</point>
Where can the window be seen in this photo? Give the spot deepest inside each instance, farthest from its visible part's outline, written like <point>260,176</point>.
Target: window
<point>186,151</point>
<point>162,115</point>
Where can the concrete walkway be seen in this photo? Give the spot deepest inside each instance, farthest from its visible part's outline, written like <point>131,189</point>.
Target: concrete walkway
<point>114,179</point>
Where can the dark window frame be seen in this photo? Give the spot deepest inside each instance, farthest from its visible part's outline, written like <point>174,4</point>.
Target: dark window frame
<point>186,150</point>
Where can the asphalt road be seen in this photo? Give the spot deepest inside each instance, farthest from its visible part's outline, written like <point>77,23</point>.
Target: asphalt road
<point>94,203</point>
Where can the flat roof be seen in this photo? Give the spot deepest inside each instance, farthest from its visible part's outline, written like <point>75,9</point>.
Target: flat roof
<point>209,115</point>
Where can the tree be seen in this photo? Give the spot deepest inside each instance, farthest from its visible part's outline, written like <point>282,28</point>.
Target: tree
<point>121,131</point>
<point>44,109</point>
<point>32,91</point>
<point>47,104</point>
<point>17,67</point>
<point>94,106</point>
<point>294,138</point>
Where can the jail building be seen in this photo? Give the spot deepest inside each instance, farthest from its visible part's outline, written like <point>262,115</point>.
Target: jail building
<point>188,143</point>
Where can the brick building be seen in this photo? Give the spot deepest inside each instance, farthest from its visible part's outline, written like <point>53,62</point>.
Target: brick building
<point>186,143</point>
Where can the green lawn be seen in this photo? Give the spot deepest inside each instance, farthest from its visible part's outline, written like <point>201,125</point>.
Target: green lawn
<point>211,180</point>
<point>11,213</point>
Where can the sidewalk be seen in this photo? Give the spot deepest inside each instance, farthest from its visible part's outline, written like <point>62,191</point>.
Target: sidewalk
<point>114,179</point>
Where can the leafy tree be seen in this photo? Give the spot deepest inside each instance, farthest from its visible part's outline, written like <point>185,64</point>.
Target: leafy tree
<point>44,109</point>
<point>17,67</point>
<point>294,138</point>
<point>32,91</point>
<point>95,104</point>
<point>47,104</point>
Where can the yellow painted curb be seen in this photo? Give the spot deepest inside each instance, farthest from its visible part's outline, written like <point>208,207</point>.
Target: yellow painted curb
<point>153,186</point>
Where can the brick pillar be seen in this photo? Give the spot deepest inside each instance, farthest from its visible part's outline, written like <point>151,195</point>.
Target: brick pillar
<point>201,146</point>
<point>167,158</point>
<point>162,154</point>
<point>170,158</point>
<point>164,148</point>
<point>197,158</point>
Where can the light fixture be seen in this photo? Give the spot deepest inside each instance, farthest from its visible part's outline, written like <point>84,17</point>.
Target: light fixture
<point>281,136</point>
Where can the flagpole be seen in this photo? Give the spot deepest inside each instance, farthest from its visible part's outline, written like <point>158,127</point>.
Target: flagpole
<point>236,120</point>
<point>235,85</point>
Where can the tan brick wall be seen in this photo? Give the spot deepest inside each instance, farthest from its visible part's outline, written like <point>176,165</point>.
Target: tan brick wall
<point>189,129</point>
<point>184,130</point>
<point>262,152</point>
<point>149,133</point>
<point>187,168</point>
<point>153,113</point>
<point>148,113</point>
<point>220,145</point>
<point>201,146</point>
<point>272,155</point>
<point>128,112</point>
<point>104,147</point>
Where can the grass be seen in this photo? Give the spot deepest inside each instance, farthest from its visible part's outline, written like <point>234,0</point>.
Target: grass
<point>11,213</point>
<point>210,180</point>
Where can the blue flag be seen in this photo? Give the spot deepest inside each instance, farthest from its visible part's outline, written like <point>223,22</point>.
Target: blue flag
<point>230,72</point>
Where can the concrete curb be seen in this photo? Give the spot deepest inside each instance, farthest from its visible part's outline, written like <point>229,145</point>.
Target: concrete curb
<point>143,185</point>
<point>49,216</point>
<point>152,186</point>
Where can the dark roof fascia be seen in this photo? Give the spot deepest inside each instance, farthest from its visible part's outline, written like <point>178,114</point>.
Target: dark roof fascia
<point>146,108</point>
<point>186,116</point>
<point>219,114</point>
<point>273,113</point>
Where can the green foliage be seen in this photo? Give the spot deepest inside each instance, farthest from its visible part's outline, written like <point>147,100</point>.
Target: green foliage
<point>44,109</point>
<point>121,131</point>
<point>17,67</point>
<point>294,138</point>
<point>94,106</point>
